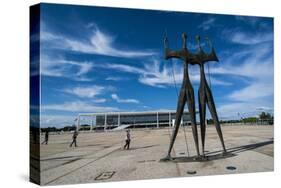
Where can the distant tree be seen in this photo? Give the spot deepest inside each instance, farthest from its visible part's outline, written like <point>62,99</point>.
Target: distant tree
<point>210,121</point>
<point>265,116</point>
<point>69,128</point>
<point>250,120</point>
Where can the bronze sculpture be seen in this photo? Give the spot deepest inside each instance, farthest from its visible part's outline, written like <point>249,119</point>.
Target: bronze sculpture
<point>205,94</point>
<point>186,94</point>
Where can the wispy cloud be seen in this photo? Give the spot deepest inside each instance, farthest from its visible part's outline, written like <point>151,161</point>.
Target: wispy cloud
<point>250,39</point>
<point>59,67</point>
<point>57,120</point>
<point>115,78</point>
<point>98,42</point>
<point>207,24</point>
<point>119,100</point>
<point>252,92</point>
<point>237,110</point>
<point>78,106</point>
<point>257,87</point>
<point>100,100</point>
<point>86,92</point>
<point>248,19</point>
<point>256,66</point>
<point>154,74</point>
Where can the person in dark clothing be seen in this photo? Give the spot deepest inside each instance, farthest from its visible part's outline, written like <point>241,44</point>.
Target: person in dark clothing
<point>127,140</point>
<point>46,137</point>
<point>74,137</point>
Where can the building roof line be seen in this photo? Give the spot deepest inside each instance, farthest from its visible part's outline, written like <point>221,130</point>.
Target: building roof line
<point>129,113</point>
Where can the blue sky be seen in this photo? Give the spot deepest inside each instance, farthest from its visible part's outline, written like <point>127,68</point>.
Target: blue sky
<point>96,59</point>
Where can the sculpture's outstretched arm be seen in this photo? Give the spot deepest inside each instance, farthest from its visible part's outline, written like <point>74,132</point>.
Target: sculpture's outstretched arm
<point>170,53</point>
<point>212,56</point>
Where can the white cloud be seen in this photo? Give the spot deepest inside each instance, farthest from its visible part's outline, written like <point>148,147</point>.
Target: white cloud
<point>119,100</point>
<point>115,78</point>
<point>264,108</point>
<point>250,39</point>
<point>88,92</point>
<point>57,120</point>
<point>252,92</point>
<point>153,74</point>
<point>248,19</point>
<point>59,67</point>
<point>257,68</point>
<point>124,68</point>
<point>84,68</point>
<point>101,100</point>
<point>98,43</point>
<point>207,24</point>
<point>78,106</point>
<point>237,110</point>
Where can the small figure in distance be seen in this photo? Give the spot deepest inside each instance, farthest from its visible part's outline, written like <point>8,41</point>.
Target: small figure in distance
<point>74,137</point>
<point>127,140</point>
<point>46,137</point>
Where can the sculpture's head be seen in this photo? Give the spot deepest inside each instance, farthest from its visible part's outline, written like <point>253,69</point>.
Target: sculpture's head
<point>166,43</point>
<point>197,38</point>
<point>212,53</point>
<point>184,39</point>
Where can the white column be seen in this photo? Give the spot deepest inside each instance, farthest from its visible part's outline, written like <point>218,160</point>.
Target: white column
<point>169,119</point>
<point>157,120</point>
<point>92,123</point>
<point>105,121</point>
<point>78,123</point>
<point>181,123</point>
<point>118,119</point>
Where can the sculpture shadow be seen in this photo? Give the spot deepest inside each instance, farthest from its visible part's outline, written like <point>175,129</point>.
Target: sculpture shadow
<point>62,158</point>
<point>243,148</point>
<point>144,147</point>
<point>216,155</point>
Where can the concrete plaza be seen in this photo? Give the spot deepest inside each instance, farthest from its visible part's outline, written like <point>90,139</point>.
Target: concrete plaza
<point>100,157</point>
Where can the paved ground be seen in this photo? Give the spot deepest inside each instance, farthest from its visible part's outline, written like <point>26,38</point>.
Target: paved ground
<point>251,149</point>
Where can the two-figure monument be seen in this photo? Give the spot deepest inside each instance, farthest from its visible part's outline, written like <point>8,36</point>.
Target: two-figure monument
<point>186,95</point>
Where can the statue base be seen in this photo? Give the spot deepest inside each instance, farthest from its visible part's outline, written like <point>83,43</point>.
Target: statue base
<point>200,158</point>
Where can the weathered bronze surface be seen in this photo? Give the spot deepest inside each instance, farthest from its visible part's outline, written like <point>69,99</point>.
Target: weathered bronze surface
<point>205,94</point>
<point>187,94</point>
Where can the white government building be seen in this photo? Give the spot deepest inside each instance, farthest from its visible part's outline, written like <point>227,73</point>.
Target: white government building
<point>122,120</point>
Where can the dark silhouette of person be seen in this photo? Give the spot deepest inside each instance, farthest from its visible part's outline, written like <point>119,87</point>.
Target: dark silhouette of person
<point>46,137</point>
<point>127,140</point>
<point>74,139</point>
<point>205,96</point>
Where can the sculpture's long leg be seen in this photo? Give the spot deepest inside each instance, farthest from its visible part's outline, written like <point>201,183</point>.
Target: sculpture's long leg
<point>212,108</point>
<point>180,108</point>
<point>202,111</point>
<point>191,109</point>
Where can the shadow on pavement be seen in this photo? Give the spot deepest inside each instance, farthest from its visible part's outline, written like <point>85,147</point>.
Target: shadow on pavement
<point>215,155</point>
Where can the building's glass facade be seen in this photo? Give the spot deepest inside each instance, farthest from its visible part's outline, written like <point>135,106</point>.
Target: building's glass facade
<point>153,119</point>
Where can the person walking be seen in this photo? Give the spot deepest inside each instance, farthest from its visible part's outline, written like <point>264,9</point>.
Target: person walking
<point>46,137</point>
<point>127,140</point>
<point>74,138</point>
